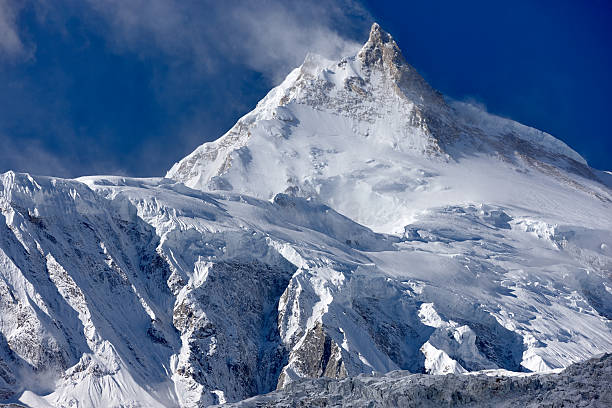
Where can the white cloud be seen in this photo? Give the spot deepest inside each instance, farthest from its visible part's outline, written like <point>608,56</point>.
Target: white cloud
<point>10,43</point>
<point>276,40</point>
<point>269,36</point>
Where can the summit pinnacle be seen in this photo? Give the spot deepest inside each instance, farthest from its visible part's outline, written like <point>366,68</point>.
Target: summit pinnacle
<point>380,48</point>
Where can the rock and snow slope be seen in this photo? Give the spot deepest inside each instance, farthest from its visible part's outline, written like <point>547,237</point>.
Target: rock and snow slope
<point>583,384</point>
<point>354,222</point>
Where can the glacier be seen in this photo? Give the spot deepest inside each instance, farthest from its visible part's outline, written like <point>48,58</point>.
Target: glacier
<point>356,222</point>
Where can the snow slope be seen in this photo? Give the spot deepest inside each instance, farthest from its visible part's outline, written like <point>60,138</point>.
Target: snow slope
<point>353,223</point>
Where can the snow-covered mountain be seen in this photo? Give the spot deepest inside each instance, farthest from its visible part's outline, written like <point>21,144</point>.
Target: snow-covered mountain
<point>355,221</point>
<point>369,137</point>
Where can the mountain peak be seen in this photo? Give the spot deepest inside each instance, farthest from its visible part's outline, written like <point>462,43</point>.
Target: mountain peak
<point>377,34</point>
<point>381,48</point>
<point>324,126</point>
<point>382,52</point>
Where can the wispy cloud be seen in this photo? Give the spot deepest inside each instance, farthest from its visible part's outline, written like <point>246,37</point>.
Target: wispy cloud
<point>275,40</point>
<point>30,156</point>
<point>269,36</point>
<point>11,45</point>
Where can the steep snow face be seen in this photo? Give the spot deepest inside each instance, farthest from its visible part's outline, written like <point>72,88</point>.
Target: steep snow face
<point>83,299</point>
<point>369,137</point>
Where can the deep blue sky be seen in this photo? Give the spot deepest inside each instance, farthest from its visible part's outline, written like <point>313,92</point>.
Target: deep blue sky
<point>129,87</point>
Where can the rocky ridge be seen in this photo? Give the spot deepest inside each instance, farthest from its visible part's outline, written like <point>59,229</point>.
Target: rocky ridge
<point>582,384</point>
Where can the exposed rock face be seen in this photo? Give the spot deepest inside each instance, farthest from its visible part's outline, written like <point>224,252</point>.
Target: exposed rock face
<point>317,355</point>
<point>214,353</point>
